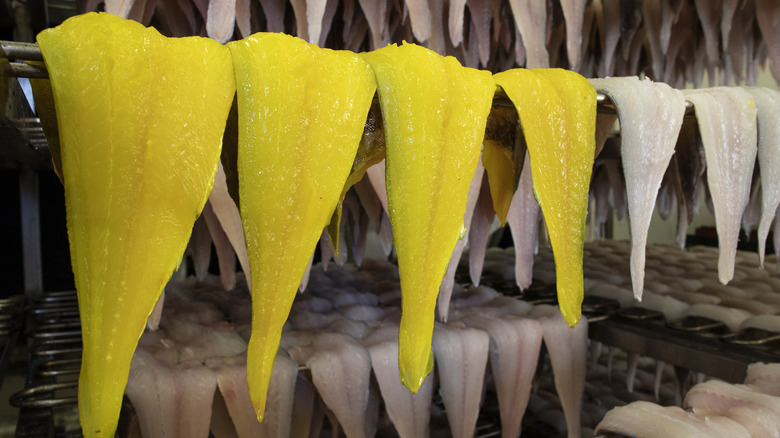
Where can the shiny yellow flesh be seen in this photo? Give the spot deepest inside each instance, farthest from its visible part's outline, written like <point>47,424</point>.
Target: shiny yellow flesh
<point>140,118</point>
<point>557,110</point>
<point>500,169</point>
<point>301,113</point>
<point>434,112</point>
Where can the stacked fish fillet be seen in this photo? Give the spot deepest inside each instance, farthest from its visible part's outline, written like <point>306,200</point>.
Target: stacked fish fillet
<point>344,332</point>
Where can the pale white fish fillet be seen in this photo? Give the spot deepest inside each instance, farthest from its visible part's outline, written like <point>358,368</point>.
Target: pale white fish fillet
<point>574,14</point>
<point>726,20</point>
<point>119,7</point>
<point>769,323</point>
<point>729,316</point>
<point>456,17</point>
<point>593,10</point>
<point>153,322</point>
<point>523,220</point>
<point>341,372</point>
<point>767,103</point>
<point>327,21</point>
<point>409,413</point>
<point>514,353</point>
<point>376,176</point>
<point>646,149</point>
<point>752,212</point>
<point>519,52</point>
<point>370,202</point>
<point>306,275</point>
<point>633,363</point>
<point>461,357</point>
<point>758,413</point>
<point>643,419</point>
<point>341,257</point>
<point>681,36</point>
<point>420,17</point>
<point>659,372</point>
<point>727,123</point>
<point>221,19</point>
<point>482,13</point>
<point>470,49</point>
<point>301,23</point>
<point>315,11</point>
<point>609,29</point>
<point>274,11</point>
<point>243,17</point>
<point>567,348</point>
<point>764,377</point>
<point>438,40</point>
<point>445,289</point>
<point>229,218</point>
<point>651,13</point>
<point>326,249</point>
<point>376,15</point>
<point>481,221</point>
<point>225,254</point>
<point>303,407</point>
<point>531,21</point>
<point>199,248</point>
<point>385,235</point>
<point>171,401</point>
<point>231,380</point>
<point>710,13</point>
<point>671,307</point>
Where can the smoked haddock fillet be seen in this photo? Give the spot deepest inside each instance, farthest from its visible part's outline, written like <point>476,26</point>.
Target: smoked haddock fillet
<point>557,110</point>
<point>301,114</point>
<point>434,112</point>
<point>140,118</point>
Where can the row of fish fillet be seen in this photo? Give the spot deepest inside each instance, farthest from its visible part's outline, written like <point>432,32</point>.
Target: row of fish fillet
<point>671,41</point>
<point>344,331</point>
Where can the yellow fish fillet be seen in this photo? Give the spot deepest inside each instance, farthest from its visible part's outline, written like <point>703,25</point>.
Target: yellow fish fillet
<point>557,110</point>
<point>140,118</point>
<point>301,113</point>
<point>434,112</point>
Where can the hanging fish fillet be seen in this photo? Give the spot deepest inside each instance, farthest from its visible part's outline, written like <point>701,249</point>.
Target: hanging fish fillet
<point>420,17</point>
<point>574,14</point>
<point>287,196</point>
<point>646,148</point>
<point>229,219</point>
<point>727,122</point>
<point>768,17</point>
<point>531,21</point>
<point>758,413</point>
<point>129,217</point>
<point>523,220</point>
<point>768,113</point>
<point>479,232</point>
<point>221,20</point>
<point>568,351</point>
<point>710,17</point>
<point>461,357</point>
<point>557,111</point>
<point>445,290</point>
<point>434,112</point>
<point>651,13</point>
<point>514,354</point>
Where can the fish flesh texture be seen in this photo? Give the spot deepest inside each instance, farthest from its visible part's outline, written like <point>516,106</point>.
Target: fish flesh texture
<point>523,220</point>
<point>568,350</point>
<point>758,413</point>
<point>727,123</point>
<point>461,356</point>
<point>514,353</point>
<point>341,372</point>
<point>646,150</point>
<point>531,21</point>
<point>481,221</point>
<point>642,419</point>
<point>768,115</point>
